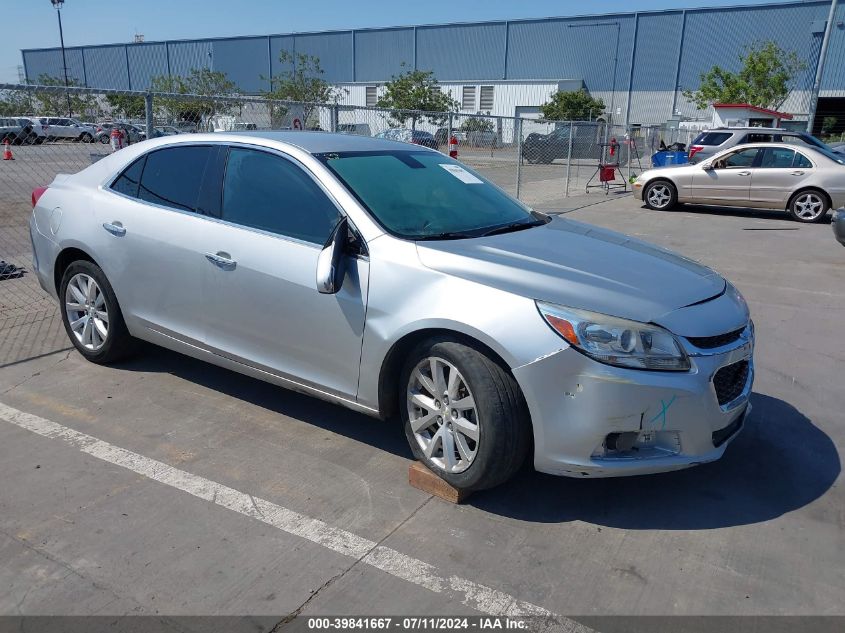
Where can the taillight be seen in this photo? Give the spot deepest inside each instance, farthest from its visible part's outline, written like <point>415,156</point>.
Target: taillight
<point>36,194</point>
<point>694,149</point>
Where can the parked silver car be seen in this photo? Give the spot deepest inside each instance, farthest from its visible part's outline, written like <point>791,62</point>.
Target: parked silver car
<point>804,181</point>
<point>711,142</point>
<point>390,279</point>
<point>69,129</point>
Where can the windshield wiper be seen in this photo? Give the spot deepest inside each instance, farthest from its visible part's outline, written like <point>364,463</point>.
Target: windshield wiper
<point>449,235</point>
<point>513,226</point>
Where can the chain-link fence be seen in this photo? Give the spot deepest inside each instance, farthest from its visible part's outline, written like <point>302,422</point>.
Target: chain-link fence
<point>542,163</point>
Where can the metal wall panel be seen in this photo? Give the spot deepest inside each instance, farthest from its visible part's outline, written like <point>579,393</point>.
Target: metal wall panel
<point>105,67</point>
<point>334,51</point>
<point>379,54</point>
<point>719,37</point>
<point>49,62</point>
<point>462,51</point>
<point>834,68</point>
<point>278,44</point>
<point>145,62</point>
<point>655,66</point>
<point>185,56</point>
<point>244,60</point>
<point>573,48</point>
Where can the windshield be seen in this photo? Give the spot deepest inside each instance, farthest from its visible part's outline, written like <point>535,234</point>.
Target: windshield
<point>425,195</point>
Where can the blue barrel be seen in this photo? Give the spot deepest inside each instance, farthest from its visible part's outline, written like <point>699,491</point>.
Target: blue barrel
<point>661,159</point>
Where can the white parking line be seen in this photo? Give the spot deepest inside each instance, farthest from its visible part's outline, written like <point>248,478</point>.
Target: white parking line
<point>480,597</point>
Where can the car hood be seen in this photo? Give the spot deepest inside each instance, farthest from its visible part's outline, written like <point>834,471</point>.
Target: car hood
<point>581,266</point>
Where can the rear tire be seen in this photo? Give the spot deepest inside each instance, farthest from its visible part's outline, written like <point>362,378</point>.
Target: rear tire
<point>809,206</point>
<point>485,427</point>
<point>86,138</point>
<point>91,315</point>
<point>660,195</point>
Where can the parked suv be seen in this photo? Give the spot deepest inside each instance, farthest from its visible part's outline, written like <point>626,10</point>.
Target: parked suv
<point>71,129</point>
<point>544,148</point>
<point>711,142</point>
<point>36,131</point>
<point>11,130</point>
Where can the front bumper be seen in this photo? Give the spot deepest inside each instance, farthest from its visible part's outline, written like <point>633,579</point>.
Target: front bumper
<point>576,403</point>
<point>838,225</point>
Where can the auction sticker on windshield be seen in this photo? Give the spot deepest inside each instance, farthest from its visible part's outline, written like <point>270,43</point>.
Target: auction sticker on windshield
<point>462,174</point>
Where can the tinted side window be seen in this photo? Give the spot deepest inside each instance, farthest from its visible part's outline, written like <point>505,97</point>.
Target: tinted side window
<point>802,161</point>
<point>127,183</point>
<point>744,158</point>
<point>273,194</point>
<point>757,138</point>
<point>711,138</point>
<point>776,157</point>
<point>172,176</point>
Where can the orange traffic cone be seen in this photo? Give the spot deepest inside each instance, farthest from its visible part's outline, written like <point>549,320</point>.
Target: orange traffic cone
<point>7,151</point>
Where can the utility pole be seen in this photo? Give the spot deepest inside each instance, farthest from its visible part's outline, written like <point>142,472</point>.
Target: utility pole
<point>817,84</point>
<point>58,5</point>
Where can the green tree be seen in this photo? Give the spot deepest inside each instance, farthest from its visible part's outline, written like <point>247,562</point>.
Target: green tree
<point>477,124</point>
<point>303,83</point>
<point>126,106</point>
<point>572,105</point>
<point>416,90</point>
<point>765,79</point>
<point>15,102</point>
<point>55,103</point>
<point>206,86</point>
<point>829,124</point>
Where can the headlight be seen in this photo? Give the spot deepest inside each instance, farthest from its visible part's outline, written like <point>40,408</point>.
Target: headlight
<point>616,341</point>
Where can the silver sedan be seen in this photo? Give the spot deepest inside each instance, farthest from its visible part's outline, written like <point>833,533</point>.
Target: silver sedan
<point>397,282</point>
<point>805,181</point>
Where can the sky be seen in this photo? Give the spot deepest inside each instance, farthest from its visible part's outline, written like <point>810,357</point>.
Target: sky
<point>111,21</point>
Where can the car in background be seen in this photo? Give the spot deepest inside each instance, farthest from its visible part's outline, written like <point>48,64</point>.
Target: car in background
<point>11,130</point>
<point>442,135</point>
<point>165,130</point>
<point>34,131</point>
<point>545,148</point>
<point>402,284</point>
<point>184,127</point>
<point>838,225</point>
<point>806,181</point>
<point>59,128</point>
<point>131,133</point>
<point>711,142</point>
<point>360,129</point>
<point>407,135</point>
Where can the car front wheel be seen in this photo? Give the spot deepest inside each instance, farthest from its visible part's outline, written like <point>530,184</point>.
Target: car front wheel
<point>660,195</point>
<point>808,206</point>
<point>464,415</point>
<point>91,315</point>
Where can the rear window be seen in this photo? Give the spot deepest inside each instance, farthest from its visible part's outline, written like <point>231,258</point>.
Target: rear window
<point>711,138</point>
<point>172,177</point>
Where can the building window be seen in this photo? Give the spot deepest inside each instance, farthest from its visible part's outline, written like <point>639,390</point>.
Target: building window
<point>486,99</point>
<point>372,96</point>
<point>468,98</point>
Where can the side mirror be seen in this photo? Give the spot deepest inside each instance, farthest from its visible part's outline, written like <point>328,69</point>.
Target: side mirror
<point>330,270</point>
<point>708,166</point>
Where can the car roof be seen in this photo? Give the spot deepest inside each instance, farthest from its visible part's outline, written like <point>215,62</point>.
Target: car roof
<point>316,142</point>
<point>754,129</point>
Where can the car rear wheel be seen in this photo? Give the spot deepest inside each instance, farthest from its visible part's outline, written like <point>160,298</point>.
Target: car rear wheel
<point>91,315</point>
<point>464,416</point>
<point>86,138</point>
<point>808,206</point>
<point>660,195</point>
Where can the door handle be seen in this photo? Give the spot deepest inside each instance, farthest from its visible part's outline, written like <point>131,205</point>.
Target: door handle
<point>115,228</point>
<point>798,173</point>
<point>221,259</point>
<point>743,173</point>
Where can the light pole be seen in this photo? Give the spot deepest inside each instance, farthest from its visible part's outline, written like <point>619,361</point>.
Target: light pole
<point>58,5</point>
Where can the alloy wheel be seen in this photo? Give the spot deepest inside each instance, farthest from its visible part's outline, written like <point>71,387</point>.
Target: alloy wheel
<point>87,312</point>
<point>659,196</point>
<point>443,415</point>
<point>809,206</point>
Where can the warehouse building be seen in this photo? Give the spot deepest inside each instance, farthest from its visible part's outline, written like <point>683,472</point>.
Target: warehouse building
<point>638,63</point>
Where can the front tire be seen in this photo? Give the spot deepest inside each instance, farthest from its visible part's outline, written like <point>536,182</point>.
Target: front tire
<point>809,206</point>
<point>86,138</point>
<point>464,416</point>
<point>660,195</point>
<point>91,315</point>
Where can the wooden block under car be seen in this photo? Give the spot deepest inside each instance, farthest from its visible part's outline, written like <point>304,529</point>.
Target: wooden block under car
<point>420,477</point>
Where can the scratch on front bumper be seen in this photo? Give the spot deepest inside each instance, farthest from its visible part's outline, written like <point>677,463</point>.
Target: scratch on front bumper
<point>575,402</point>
